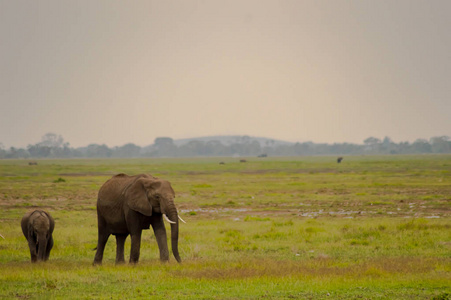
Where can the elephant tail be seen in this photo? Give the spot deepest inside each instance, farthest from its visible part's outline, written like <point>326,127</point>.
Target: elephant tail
<point>94,249</point>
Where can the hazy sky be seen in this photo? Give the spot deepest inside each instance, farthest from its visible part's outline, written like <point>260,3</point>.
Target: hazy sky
<point>115,72</point>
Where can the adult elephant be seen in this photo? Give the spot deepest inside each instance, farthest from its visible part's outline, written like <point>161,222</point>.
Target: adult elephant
<point>128,204</point>
<point>37,227</point>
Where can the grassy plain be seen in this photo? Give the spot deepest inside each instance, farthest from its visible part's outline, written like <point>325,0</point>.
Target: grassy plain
<point>271,228</point>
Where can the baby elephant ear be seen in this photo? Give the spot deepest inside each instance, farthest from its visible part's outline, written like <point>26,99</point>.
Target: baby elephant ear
<point>137,198</point>
<point>30,231</point>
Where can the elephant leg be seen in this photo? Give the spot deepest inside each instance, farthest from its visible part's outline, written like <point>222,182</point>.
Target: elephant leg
<point>49,247</point>
<point>160,235</point>
<point>135,248</point>
<point>33,250</point>
<point>120,242</point>
<point>103,238</point>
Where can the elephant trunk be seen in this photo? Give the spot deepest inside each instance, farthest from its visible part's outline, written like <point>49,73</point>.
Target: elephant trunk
<point>42,246</point>
<point>175,240</point>
<point>173,216</point>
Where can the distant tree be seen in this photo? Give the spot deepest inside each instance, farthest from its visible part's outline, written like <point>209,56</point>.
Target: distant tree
<point>39,150</point>
<point>372,144</point>
<point>269,143</point>
<point>192,148</point>
<point>236,149</point>
<point>371,141</point>
<point>421,146</point>
<point>128,150</point>
<point>2,151</point>
<point>51,145</point>
<point>163,141</point>
<point>388,146</point>
<point>303,148</point>
<point>17,153</point>
<point>245,139</point>
<point>404,148</point>
<point>77,152</point>
<point>440,144</point>
<point>52,140</point>
<point>164,146</point>
<point>387,141</point>
<point>252,148</point>
<point>95,150</point>
<point>215,148</point>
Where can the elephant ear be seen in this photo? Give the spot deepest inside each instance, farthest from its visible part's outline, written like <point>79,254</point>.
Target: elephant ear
<point>51,221</point>
<point>137,197</point>
<point>30,231</point>
<point>152,184</point>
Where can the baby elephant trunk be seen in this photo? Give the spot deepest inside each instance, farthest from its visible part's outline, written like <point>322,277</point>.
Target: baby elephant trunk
<point>42,246</point>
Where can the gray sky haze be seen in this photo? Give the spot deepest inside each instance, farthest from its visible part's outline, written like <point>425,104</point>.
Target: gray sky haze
<point>114,72</point>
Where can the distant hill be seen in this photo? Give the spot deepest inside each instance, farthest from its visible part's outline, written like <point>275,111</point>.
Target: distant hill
<point>235,139</point>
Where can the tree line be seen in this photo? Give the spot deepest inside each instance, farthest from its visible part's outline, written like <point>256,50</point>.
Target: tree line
<point>54,146</point>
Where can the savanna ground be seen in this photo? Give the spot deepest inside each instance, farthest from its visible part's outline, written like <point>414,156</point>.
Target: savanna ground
<point>271,228</point>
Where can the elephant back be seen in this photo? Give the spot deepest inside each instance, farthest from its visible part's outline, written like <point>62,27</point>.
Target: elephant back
<point>116,186</point>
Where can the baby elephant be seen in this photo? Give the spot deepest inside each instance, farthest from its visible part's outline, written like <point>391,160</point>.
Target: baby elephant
<point>37,227</point>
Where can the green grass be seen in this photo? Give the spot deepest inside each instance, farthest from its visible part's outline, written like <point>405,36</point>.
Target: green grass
<point>375,227</point>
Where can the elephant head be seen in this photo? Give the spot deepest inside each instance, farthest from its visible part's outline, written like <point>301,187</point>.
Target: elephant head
<point>37,227</point>
<point>148,195</point>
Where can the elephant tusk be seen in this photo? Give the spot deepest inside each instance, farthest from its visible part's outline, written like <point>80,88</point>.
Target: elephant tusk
<point>167,219</point>
<point>181,219</point>
<point>2,236</point>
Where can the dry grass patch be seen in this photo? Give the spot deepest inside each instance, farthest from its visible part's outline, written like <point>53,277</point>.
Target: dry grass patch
<point>315,268</point>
